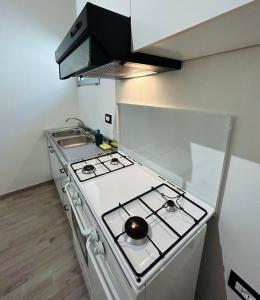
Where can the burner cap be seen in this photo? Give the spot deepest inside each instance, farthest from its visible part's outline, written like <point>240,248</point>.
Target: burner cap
<point>136,228</point>
<point>170,205</point>
<point>114,161</point>
<point>88,169</point>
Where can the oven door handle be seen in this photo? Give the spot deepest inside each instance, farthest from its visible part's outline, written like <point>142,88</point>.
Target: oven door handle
<point>86,231</point>
<point>101,271</point>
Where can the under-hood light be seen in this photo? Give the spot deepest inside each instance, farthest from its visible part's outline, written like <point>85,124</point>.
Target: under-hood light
<point>140,74</point>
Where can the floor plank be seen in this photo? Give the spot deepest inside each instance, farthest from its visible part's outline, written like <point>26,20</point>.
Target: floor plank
<point>37,258</point>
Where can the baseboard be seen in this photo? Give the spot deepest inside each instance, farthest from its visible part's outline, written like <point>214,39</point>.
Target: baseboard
<point>25,189</point>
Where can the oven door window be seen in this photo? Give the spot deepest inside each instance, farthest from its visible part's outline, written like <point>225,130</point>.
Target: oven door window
<point>81,238</point>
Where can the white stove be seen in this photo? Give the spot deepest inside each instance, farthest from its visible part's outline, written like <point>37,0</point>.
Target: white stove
<point>145,221</point>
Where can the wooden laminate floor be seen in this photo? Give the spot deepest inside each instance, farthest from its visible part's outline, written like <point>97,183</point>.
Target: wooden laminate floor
<point>37,258</point>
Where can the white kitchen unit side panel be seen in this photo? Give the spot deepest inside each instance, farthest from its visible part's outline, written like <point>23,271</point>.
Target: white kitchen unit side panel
<point>239,223</point>
<point>178,278</point>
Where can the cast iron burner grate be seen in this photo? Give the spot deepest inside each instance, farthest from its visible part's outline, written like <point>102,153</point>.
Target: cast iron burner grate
<point>119,162</point>
<point>169,205</point>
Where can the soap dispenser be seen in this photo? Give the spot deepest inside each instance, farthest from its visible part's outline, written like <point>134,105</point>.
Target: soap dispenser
<point>98,137</point>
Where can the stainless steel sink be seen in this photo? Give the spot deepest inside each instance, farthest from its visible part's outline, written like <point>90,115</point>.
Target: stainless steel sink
<point>66,133</point>
<point>74,141</point>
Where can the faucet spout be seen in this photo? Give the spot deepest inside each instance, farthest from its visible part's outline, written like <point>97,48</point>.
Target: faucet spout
<point>80,124</point>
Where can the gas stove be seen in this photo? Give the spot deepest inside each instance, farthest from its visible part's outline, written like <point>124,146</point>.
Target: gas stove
<point>144,218</point>
<point>148,226</point>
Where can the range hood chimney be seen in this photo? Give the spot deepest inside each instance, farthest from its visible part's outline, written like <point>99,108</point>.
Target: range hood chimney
<point>99,44</point>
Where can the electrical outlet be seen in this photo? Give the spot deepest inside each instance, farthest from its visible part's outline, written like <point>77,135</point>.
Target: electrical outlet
<point>108,118</point>
<point>241,288</point>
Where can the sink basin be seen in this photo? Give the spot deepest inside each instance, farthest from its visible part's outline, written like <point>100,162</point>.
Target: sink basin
<point>66,133</point>
<point>75,141</point>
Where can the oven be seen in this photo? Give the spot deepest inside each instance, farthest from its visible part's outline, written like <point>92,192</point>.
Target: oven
<point>102,274</point>
<point>82,219</point>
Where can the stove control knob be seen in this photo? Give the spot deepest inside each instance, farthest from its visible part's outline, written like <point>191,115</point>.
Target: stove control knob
<point>78,201</point>
<point>99,249</point>
<point>94,236</point>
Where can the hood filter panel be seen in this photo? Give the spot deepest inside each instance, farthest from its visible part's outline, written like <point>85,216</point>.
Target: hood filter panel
<point>77,60</point>
<point>124,70</point>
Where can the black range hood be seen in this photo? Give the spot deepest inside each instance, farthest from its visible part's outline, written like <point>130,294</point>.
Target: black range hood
<point>99,45</point>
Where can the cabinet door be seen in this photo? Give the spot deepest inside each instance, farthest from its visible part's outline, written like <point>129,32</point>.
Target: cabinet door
<point>154,20</point>
<point>56,171</point>
<point>66,203</point>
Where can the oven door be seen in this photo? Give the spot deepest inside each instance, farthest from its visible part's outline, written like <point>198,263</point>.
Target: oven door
<point>106,276</point>
<point>82,222</point>
<point>101,271</point>
<point>83,219</point>
<point>82,239</point>
<point>100,277</point>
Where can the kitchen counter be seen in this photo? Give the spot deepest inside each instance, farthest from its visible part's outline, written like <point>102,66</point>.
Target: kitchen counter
<point>67,155</point>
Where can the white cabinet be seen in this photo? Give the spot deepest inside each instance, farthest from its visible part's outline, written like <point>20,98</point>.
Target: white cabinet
<point>189,29</point>
<point>56,170</point>
<point>65,199</point>
<point>60,178</point>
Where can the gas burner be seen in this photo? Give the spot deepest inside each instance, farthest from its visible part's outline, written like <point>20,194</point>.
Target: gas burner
<point>101,165</point>
<point>88,169</point>
<point>136,229</point>
<point>170,206</point>
<point>114,161</point>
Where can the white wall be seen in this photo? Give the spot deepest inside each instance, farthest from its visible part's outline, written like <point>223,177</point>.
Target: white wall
<point>229,83</point>
<point>32,96</point>
<point>95,102</point>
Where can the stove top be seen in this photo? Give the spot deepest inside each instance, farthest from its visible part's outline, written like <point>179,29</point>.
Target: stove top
<point>147,230</point>
<point>101,165</point>
<point>148,226</point>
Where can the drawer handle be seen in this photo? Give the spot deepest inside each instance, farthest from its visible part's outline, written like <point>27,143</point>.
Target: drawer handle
<point>52,151</point>
<point>62,171</point>
<point>64,191</point>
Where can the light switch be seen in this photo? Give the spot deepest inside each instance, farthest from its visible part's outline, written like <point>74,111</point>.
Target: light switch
<point>108,118</point>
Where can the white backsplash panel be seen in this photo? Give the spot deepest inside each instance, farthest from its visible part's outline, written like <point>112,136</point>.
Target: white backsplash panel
<point>184,146</point>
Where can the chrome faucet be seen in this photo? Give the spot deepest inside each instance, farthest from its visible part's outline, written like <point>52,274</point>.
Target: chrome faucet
<point>81,123</point>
